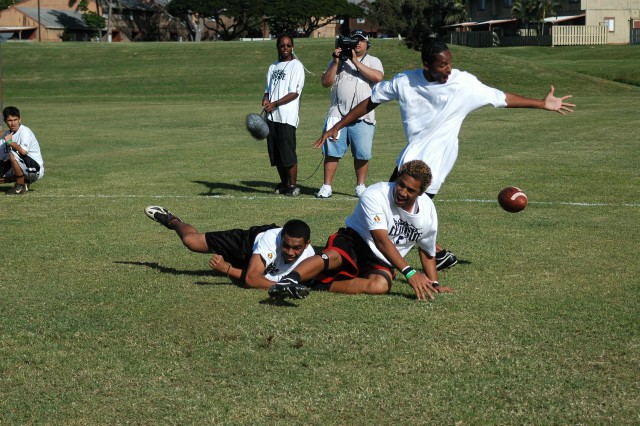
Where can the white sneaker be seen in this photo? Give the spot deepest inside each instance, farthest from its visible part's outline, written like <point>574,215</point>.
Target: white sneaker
<point>360,189</point>
<point>325,191</point>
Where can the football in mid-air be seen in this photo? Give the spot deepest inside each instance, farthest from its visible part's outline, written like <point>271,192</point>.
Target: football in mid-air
<point>512,199</point>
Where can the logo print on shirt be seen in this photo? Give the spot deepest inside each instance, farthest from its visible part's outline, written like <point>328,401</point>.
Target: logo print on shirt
<point>402,232</point>
<point>278,75</point>
<point>376,218</point>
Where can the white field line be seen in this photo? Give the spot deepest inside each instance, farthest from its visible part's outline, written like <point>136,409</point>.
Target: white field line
<point>334,198</point>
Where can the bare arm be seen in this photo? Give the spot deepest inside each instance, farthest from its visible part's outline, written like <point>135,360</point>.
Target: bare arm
<point>550,102</point>
<point>329,75</point>
<point>8,137</point>
<point>420,282</point>
<point>269,106</point>
<point>352,116</point>
<point>252,277</point>
<point>373,75</point>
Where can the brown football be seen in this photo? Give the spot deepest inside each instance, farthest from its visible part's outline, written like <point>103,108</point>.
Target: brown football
<point>512,199</point>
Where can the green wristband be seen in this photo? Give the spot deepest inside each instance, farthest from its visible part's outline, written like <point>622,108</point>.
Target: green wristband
<point>410,273</point>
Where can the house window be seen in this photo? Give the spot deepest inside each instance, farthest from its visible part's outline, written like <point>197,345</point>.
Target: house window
<point>610,23</point>
<point>360,20</point>
<point>482,5</point>
<point>508,3</point>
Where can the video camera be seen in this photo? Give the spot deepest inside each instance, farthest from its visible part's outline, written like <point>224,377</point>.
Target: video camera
<point>347,44</point>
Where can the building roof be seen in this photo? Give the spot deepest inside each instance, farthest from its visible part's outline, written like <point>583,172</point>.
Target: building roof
<point>495,22</point>
<point>56,19</point>
<point>556,19</point>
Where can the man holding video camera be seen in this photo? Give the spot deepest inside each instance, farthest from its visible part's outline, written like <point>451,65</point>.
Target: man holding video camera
<point>351,75</point>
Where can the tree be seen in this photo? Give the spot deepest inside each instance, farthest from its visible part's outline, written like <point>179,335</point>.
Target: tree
<point>94,21</point>
<point>417,20</point>
<point>524,11</point>
<point>548,8</point>
<point>83,6</point>
<point>228,19</point>
<point>302,17</point>
<point>6,4</point>
<point>535,11</point>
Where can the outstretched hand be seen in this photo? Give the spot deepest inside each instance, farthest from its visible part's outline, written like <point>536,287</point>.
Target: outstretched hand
<point>329,134</point>
<point>422,285</point>
<point>552,103</point>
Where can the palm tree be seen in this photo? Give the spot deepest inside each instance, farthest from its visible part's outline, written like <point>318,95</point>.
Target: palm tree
<point>548,8</point>
<point>457,12</point>
<point>529,11</point>
<point>524,11</point>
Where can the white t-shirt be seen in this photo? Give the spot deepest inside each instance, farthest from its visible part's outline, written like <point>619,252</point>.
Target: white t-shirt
<point>284,78</point>
<point>432,114</point>
<point>350,88</point>
<point>26,139</point>
<point>377,210</point>
<point>268,245</point>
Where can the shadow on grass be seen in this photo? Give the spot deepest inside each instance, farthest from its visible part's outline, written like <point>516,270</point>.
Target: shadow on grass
<point>278,302</point>
<point>168,270</point>
<point>260,187</point>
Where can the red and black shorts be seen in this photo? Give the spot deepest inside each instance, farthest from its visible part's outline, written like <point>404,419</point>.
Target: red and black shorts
<point>235,245</point>
<point>359,259</point>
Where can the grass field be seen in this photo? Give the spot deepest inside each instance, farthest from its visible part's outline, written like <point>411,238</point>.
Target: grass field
<point>106,319</point>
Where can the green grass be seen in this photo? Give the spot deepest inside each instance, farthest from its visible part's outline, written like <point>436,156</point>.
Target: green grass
<point>106,319</point>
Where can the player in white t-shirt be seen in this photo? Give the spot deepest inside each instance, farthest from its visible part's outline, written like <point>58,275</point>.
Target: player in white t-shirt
<point>20,157</point>
<point>388,221</point>
<point>434,101</point>
<point>257,257</point>
<point>281,102</point>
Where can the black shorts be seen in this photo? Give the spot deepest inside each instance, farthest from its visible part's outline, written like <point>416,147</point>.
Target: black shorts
<point>359,259</point>
<point>235,245</point>
<point>281,144</point>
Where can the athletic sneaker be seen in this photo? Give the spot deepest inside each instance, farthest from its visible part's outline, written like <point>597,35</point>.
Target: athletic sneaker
<point>160,215</point>
<point>360,189</point>
<point>288,287</point>
<point>280,189</point>
<point>325,192</point>
<point>292,191</point>
<point>447,260</point>
<point>18,190</point>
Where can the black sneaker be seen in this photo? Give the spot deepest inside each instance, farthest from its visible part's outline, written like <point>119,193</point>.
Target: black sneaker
<point>18,190</point>
<point>288,287</point>
<point>292,191</point>
<point>160,215</point>
<point>446,261</point>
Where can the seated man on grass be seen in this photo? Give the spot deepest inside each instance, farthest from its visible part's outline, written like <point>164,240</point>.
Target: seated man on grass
<point>20,158</point>
<point>257,257</point>
<point>388,221</point>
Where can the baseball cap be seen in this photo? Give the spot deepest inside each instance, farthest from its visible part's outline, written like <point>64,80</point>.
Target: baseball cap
<point>361,34</point>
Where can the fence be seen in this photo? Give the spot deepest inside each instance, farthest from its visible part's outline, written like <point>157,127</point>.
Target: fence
<point>575,35</point>
<point>569,35</point>
<point>472,38</point>
<point>525,41</point>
